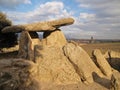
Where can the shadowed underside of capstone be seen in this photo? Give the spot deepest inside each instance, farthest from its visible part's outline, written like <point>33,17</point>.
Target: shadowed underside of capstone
<point>39,26</point>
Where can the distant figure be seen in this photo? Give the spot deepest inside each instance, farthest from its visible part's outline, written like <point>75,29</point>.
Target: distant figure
<point>91,40</point>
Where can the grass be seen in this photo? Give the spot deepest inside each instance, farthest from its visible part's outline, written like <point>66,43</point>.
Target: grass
<point>102,46</point>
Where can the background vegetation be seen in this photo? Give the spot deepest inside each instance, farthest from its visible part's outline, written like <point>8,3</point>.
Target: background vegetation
<point>6,39</point>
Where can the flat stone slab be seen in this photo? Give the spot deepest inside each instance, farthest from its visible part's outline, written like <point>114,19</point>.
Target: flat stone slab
<point>39,26</point>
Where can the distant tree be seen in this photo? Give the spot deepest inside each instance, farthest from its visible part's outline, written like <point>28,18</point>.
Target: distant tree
<point>6,39</point>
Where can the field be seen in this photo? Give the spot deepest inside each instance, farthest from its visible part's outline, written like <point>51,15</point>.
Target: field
<point>12,52</point>
<point>104,47</point>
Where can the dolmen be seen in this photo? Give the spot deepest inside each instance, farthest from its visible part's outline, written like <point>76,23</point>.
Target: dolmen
<point>51,59</point>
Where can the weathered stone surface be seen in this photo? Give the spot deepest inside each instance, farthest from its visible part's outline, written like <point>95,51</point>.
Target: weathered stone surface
<point>106,55</point>
<point>81,61</point>
<point>20,74</point>
<point>54,38</point>
<point>54,67</point>
<point>114,54</point>
<point>23,42</point>
<point>102,62</point>
<point>115,79</point>
<point>26,45</point>
<point>113,58</point>
<point>40,26</point>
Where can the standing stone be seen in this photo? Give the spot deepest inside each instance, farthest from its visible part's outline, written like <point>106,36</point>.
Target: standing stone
<point>54,38</point>
<point>33,39</point>
<point>23,42</point>
<point>26,45</point>
<point>102,63</point>
<point>81,60</point>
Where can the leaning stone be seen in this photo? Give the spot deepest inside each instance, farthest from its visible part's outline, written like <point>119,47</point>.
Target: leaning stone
<point>102,63</point>
<point>54,38</point>
<point>81,61</point>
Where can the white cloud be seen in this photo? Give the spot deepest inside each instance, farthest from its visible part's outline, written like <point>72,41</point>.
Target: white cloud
<point>102,7</point>
<point>85,17</point>
<point>102,20</point>
<point>13,3</point>
<point>104,17</point>
<point>46,11</point>
<point>27,2</point>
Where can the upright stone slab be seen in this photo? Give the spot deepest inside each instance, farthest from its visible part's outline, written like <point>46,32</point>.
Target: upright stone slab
<point>54,38</point>
<point>81,60</point>
<point>23,42</point>
<point>102,62</point>
<point>27,43</point>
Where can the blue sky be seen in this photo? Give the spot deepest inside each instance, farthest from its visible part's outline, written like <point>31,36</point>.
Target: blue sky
<point>97,18</point>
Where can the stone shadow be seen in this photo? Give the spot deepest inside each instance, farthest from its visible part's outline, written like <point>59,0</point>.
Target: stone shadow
<point>115,63</point>
<point>102,81</point>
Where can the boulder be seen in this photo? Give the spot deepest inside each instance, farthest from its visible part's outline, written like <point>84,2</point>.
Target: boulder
<point>81,61</point>
<point>102,63</point>
<point>54,66</point>
<point>54,38</point>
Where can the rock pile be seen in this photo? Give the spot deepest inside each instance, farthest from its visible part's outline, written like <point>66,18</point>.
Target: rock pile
<point>49,60</point>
